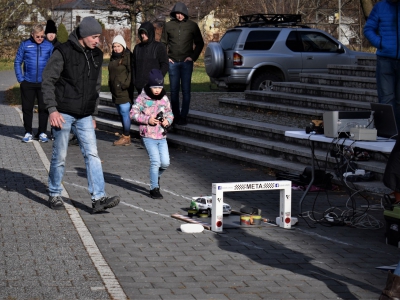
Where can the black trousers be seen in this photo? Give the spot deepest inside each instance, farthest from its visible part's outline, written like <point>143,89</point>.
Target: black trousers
<point>29,92</point>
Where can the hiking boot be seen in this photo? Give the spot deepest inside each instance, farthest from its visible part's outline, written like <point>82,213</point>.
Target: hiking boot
<point>104,203</point>
<point>56,202</point>
<point>124,140</point>
<point>43,138</point>
<point>155,193</point>
<point>27,138</point>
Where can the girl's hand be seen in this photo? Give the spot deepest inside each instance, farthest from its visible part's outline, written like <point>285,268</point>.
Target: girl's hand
<point>153,121</point>
<point>165,123</point>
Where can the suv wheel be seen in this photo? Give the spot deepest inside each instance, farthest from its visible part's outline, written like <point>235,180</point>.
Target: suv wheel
<point>214,60</point>
<point>209,212</point>
<point>264,81</point>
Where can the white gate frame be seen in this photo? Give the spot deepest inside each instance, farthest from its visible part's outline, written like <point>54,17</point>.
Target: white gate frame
<point>218,190</point>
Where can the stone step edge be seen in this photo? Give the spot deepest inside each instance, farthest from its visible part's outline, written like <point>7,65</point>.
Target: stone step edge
<point>338,77</point>
<point>234,121</point>
<point>327,88</point>
<point>277,145</point>
<point>238,155</point>
<point>301,97</point>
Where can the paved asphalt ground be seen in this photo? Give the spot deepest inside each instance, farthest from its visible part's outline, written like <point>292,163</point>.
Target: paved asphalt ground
<point>137,251</point>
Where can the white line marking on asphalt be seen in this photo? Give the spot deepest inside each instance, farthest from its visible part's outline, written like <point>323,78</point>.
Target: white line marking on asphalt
<point>323,237</point>
<point>112,285</point>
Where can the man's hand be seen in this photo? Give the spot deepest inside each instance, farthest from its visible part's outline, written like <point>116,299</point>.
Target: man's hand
<point>94,123</point>
<point>56,119</point>
<point>188,59</point>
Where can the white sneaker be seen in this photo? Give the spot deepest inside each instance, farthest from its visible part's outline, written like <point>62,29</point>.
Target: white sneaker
<point>27,138</point>
<point>43,138</point>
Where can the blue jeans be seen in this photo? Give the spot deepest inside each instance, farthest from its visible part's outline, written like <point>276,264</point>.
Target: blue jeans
<point>397,270</point>
<point>123,111</point>
<point>159,158</point>
<point>180,74</point>
<point>84,131</point>
<point>388,83</point>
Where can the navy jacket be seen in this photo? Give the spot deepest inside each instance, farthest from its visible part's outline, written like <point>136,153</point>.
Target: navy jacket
<point>382,28</point>
<point>34,58</point>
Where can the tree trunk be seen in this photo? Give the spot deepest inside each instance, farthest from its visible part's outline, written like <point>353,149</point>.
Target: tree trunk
<point>366,6</point>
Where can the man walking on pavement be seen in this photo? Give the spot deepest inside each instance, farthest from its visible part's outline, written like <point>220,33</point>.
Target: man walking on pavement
<point>179,35</point>
<point>33,54</point>
<point>71,86</point>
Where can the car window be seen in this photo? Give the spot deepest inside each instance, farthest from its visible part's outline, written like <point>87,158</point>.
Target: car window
<point>293,43</point>
<point>229,39</point>
<point>317,42</point>
<point>203,201</point>
<point>260,40</point>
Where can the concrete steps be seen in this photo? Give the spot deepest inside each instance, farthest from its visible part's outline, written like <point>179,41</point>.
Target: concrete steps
<point>339,80</point>
<point>265,144</point>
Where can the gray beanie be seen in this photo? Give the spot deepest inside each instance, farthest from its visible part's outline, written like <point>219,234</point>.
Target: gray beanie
<point>89,26</point>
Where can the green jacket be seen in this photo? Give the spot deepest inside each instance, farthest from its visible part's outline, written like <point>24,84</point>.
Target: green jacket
<point>119,78</point>
<point>179,37</point>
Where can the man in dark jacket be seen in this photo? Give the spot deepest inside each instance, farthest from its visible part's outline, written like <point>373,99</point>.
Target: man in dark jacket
<point>147,55</point>
<point>71,87</point>
<point>33,53</point>
<point>179,35</point>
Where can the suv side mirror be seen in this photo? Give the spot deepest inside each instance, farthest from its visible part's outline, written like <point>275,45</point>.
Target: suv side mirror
<point>340,49</point>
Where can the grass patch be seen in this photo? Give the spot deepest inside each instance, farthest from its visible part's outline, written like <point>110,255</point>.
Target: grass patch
<point>200,80</point>
<point>13,95</point>
<point>6,65</point>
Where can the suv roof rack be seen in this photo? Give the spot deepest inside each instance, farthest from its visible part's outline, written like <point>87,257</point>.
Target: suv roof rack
<point>269,19</point>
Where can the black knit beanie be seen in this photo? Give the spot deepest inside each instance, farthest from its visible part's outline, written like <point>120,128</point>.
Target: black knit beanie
<point>156,79</point>
<point>50,27</point>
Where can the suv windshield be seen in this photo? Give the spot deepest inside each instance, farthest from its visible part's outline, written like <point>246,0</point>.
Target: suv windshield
<point>229,39</point>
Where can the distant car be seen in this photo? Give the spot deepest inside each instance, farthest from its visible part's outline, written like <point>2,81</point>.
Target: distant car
<point>264,49</point>
<point>204,203</point>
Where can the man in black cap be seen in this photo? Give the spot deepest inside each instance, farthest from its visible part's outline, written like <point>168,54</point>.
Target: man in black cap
<point>71,87</point>
<point>51,33</point>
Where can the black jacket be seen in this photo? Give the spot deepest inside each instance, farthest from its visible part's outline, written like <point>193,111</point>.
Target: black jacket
<point>147,56</point>
<point>180,36</point>
<point>72,79</point>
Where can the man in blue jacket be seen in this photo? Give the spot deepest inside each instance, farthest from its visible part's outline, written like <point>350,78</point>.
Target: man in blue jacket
<point>382,29</point>
<point>33,53</point>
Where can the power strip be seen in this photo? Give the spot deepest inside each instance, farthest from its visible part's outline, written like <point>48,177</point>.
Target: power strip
<point>363,134</point>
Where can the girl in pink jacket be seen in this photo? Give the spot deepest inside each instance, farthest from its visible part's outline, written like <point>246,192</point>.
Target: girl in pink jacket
<point>152,110</point>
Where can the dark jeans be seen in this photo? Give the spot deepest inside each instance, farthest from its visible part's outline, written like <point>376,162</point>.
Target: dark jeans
<point>388,84</point>
<point>30,91</point>
<point>180,75</point>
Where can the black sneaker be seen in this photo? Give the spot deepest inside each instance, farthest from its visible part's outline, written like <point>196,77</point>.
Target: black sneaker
<point>56,202</point>
<point>155,193</point>
<point>104,203</point>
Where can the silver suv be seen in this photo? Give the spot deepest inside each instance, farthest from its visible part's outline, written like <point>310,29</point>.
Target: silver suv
<point>268,48</point>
